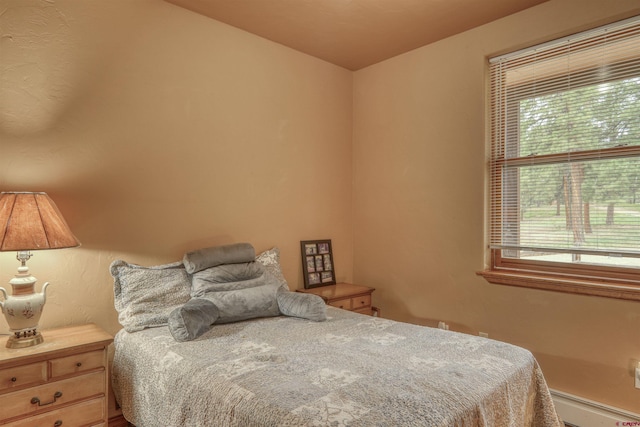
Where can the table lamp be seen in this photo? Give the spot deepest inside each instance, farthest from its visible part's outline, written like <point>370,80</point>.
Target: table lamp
<point>28,221</point>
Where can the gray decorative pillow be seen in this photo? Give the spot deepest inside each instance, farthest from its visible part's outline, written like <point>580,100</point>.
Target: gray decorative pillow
<point>271,260</point>
<point>210,257</point>
<point>248,303</point>
<point>227,277</point>
<point>307,306</point>
<point>145,296</point>
<point>193,319</point>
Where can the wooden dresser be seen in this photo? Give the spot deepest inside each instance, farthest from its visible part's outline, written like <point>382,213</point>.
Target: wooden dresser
<point>346,296</point>
<point>60,383</point>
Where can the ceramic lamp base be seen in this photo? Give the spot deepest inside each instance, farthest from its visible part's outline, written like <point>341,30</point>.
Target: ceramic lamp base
<point>23,309</point>
<point>24,340</point>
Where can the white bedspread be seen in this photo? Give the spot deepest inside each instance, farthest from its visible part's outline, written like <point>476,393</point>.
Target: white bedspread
<point>352,370</point>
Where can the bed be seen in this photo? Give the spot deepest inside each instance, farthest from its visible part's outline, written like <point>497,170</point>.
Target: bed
<point>348,370</point>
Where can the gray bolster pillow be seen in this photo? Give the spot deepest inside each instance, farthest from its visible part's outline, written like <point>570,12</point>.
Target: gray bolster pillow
<point>210,257</point>
<point>306,306</point>
<point>193,319</point>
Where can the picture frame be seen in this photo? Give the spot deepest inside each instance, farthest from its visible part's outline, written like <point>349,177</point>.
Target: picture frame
<point>317,263</point>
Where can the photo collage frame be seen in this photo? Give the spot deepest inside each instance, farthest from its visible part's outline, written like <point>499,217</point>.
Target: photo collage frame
<point>317,263</point>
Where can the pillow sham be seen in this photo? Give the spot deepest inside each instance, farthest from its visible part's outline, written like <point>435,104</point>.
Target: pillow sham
<point>193,319</point>
<point>306,306</point>
<point>271,260</point>
<point>145,296</point>
<point>217,255</point>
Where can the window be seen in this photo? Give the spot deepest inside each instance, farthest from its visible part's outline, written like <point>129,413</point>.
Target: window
<point>565,164</point>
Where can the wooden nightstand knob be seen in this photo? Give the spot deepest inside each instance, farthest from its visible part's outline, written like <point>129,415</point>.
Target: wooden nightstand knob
<point>58,423</point>
<point>79,364</point>
<point>14,379</point>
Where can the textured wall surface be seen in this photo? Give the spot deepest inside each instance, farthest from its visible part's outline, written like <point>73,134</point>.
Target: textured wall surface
<point>158,131</point>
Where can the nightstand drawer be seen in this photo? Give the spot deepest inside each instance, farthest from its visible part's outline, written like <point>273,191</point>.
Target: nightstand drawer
<point>51,395</point>
<point>82,414</point>
<point>345,304</point>
<point>360,302</point>
<point>76,363</point>
<point>18,376</point>
<point>346,296</point>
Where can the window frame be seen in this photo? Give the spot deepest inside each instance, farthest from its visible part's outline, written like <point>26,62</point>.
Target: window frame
<point>587,279</point>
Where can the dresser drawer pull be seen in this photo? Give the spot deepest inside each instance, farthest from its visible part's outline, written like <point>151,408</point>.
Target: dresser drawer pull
<point>56,395</point>
<point>58,423</point>
<point>79,364</point>
<point>14,379</point>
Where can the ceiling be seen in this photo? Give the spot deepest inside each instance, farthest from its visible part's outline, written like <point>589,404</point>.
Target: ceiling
<point>355,33</point>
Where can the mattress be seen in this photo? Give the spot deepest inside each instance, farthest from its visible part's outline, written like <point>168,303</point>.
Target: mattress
<point>351,370</point>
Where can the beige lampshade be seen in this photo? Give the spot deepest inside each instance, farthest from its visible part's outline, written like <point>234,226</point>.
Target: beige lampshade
<point>32,221</point>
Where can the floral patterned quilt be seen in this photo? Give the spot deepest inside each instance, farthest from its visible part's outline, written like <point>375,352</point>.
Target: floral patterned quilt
<point>352,370</point>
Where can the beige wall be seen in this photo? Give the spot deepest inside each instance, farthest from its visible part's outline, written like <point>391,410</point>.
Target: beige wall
<point>158,131</point>
<point>419,183</point>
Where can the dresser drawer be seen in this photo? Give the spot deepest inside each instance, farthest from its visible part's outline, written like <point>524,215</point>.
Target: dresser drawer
<point>52,395</point>
<point>82,414</point>
<point>360,302</point>
<point>76,363</point>
<point>345,304</point>
<point>24,375</point>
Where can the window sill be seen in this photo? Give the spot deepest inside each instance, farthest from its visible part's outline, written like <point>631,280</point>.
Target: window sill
<point>596,287</point>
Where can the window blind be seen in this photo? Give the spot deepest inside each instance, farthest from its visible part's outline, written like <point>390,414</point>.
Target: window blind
<point>565,147</point>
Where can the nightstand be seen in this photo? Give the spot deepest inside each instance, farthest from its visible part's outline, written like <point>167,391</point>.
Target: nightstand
<point>346,296</point>
<point>61,382</point>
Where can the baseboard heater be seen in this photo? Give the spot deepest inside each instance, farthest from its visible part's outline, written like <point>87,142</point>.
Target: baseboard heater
<point>580,412</point>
